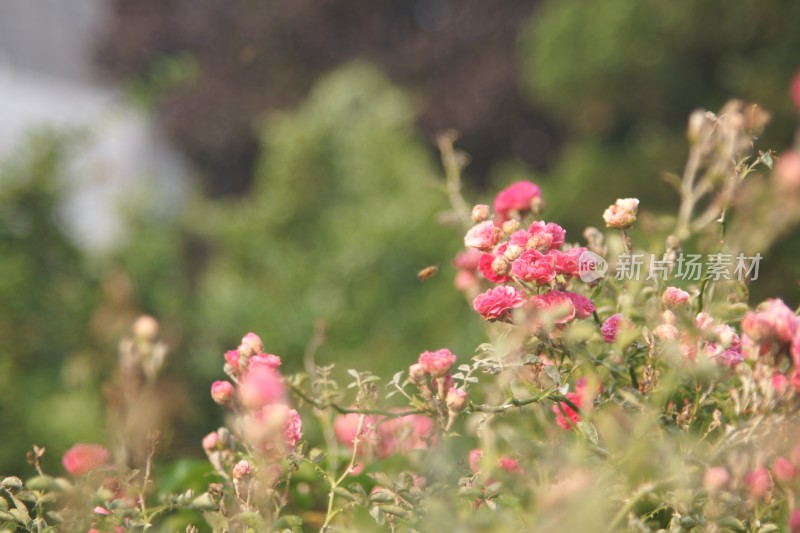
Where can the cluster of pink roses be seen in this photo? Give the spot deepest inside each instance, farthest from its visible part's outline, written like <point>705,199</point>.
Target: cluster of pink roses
<point>382,437</point>
<point>531,258</point>
<point>257,394</point>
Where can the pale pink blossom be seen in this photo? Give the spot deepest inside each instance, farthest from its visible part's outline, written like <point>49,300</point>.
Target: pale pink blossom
<point>784,470</point>
<point>437,363</point>
<point>673,297</point>
<point>516,199</point>
<point>622,214</point>
<point>222,392</point>
<point>497,303</point>
<point>759,482</point>
<point>274,428</point>
<point>210,441</point>
<point>483,236</point>
<point>260,386</point>
<point>404,434</point>
<point>467,260</point>
<point>716,478</point>
<point>83,458</point>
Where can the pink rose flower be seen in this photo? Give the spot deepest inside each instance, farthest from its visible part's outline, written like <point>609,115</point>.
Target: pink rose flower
<point>552,307</point>
<point>222,392</point>
<point>566,263</point>
<point>404,434</point>
<point>267,360</point>
<point>787,172</point>
<point>497,303</point>
<point>583,305</point>
<point>546,236</point>
<point>232,358</point>
<point>574,417</point>
<point>474,460</point>
<point>783,469</point>
<point>794,90</point>
<point>771,321</point>
<point>467,260</point>
<point>516,198</point>
<point>251,345</point>
<point>533,266</point>
<point>794,516</point>
<point>437,363</point>
<point>509,465</point>
<point>674,297</point>
<point>610,328</point>
<point>83,458</point>
<point>210,441</point>
<point>483,236</point>
<point>274,428</point>
<point>260,386</point>
<point>759,482</point>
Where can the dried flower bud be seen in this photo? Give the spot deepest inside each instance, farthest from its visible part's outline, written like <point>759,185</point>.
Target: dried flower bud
<point>513,251</point>
<point>241,469</point>
<point>501,266</point>
<point>146,328</point>
<point>417,374</point>
<point>480,213</point>
<point>698,121</point>
<point>510,226</point>
<point>456,400</point>
<point>222,392</point>
<point>622,214</point>
<point>251,345</point>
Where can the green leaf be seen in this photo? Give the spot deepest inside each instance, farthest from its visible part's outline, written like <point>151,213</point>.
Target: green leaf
<point>43,483</point>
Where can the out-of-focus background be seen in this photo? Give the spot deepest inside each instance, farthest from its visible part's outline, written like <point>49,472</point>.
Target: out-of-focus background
<point>267,166</point>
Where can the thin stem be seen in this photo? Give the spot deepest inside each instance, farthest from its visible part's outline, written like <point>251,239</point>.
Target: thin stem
<point>349,410</point>
<point>453,163</point>
<point>332,495</point>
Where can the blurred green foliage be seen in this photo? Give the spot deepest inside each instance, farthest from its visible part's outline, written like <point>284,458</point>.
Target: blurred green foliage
<point>48,293</point>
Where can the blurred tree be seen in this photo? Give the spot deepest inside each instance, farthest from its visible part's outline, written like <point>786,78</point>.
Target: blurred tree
<point>458,59</point>
<point>47,292</point>
<point>340,219</point>
<point>622,77</point>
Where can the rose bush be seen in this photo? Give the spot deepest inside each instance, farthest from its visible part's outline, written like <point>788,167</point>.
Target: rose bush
<point>643,402</point>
